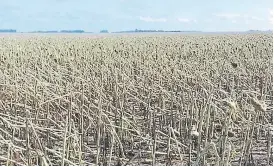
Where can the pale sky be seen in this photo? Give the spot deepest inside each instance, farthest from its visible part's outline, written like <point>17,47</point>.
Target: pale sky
<point>118,15</point>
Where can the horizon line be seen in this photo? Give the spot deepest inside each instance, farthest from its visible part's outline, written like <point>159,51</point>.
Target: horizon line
<point>120,31</point>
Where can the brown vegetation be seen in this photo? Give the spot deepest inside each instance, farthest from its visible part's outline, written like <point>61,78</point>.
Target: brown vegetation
<point>166,99</point>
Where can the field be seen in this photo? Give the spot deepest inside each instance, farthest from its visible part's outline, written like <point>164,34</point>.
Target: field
<point>136,99</point>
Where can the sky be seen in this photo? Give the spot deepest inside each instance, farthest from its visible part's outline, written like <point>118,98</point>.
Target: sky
<point>120,15</point>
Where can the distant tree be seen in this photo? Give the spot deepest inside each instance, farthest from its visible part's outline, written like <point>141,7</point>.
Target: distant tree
<point>72,31</point>
<point>104,31</point>
<point>51,31</point>
<point>7,30</point>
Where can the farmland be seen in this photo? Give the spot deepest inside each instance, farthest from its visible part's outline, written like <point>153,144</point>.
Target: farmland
<point>136,100</point>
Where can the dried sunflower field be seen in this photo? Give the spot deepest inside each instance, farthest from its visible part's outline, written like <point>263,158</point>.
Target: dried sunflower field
<point>136,100</point>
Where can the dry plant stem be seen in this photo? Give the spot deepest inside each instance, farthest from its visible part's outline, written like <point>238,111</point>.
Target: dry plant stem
<point>70,123</point>
<point>177,144</point>
<point>154,140</point>
<point>228,156</point>
<point>111,149</point>
<point>41,151</point>
<point>250,138</point>
<point>9,158</point>
<point>48,126</point>
<point>60,156</point>
<point>207,129</point>
<point>13,161</point>
<point>10,153</point>
<point>183,125</point>
<point>34,99</point>
<point>206,150</point>
<point>116,105</point>
<point>98,140</point>
<point>200,126</point>
<point>105,145</point>
<point>27,133</point>
<point>81,130</point>
<point>190,137</point>
<point>246,138</point>
<point>168,147</point>
<point>65,142</point>
<point>121,101</point>
<point>269,144</point>
<point>140,153</point>
<point>225,134</point>
<point>42,159</point>
<point>210,137</point>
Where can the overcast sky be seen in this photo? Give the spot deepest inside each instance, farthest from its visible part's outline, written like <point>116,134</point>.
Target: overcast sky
<point>116,15</point>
